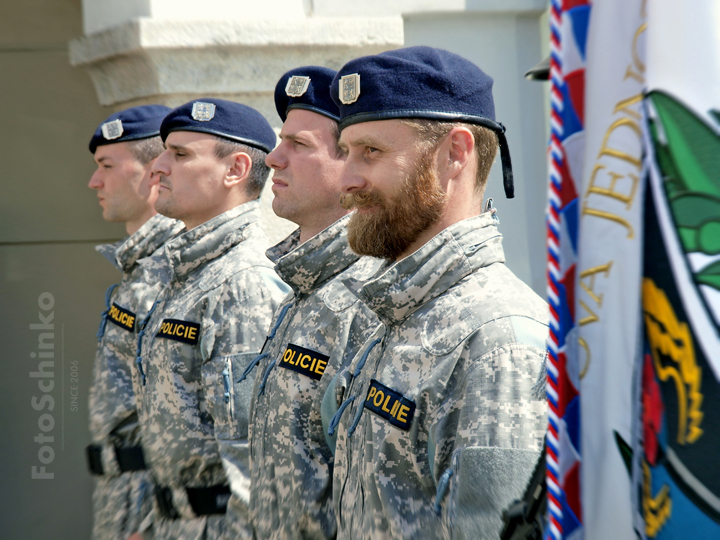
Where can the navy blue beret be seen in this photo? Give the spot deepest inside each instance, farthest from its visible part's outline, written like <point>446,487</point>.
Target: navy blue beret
<point>306,88</point>
<point>419,82</point>
<point>129,125</point>
<point>227,119</point>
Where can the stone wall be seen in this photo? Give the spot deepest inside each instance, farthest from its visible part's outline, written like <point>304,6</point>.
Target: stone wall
<point>67,64</point>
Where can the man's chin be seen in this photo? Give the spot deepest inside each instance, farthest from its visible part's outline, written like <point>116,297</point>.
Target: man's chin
<point>366,210</point>
<point>164,210</point>
<point>111,217</point>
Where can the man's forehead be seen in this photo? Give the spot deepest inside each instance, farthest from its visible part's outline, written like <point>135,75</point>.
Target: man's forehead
<point>300,120</point>
<point>379,131</point>
<point>115,151</point>
<point>185,138</point>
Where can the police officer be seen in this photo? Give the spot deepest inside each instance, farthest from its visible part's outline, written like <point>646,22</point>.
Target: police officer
<point>124,147</point>
<point>316,329</point>
<point>439,427</point>
<point>210,319</point>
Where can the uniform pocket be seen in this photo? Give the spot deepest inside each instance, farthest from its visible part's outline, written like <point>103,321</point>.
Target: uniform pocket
<point>228,401</point>
<point>484,482</point>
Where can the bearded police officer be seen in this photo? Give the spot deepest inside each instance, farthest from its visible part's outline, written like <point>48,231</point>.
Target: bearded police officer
<point>124,147</point>
<point>209,321</point>
<point>316,329</point>
<point>439,426</point>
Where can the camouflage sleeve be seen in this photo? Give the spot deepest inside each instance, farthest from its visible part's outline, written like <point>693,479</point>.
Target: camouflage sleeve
<point>485,440</point>
<point>239,316</point>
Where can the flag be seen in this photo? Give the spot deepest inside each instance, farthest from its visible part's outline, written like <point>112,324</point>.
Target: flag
<point>676,473</point>
<point>634,270</point>
<point>569,24</point>
<point>595,256</point>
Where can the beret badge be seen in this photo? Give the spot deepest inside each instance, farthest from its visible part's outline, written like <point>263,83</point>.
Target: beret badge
<point>297,85</point>
<point>112,130</point>
<point>203,112</point>
<point>349,88</point>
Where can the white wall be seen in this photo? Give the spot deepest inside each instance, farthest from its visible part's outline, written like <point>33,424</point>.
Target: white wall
<point>505,45</point>
<point>99,15</point>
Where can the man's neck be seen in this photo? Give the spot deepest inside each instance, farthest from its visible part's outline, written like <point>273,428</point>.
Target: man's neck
<point>307,231</point>
<point>451,216</point>
<point>131,227</point>
<point>197,220</point>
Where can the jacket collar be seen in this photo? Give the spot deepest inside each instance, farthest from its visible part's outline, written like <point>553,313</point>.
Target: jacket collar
<point>212,239</point>
<point>305,267</point>
<point>457,251</point>
<point>143,243</point>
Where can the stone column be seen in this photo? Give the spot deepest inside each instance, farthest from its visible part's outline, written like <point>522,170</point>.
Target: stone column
<point>158,51</point>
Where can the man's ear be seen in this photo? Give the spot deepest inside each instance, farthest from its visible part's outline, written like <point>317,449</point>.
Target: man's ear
<point>239,169</point>
<point>455,152</point>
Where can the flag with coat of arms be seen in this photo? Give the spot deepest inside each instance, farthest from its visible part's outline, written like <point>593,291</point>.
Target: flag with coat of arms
<point>634,270</point>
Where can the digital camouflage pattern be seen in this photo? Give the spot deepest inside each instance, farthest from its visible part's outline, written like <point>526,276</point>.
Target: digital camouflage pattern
<point>440,426</point>
<point>219,281</point>
<point>121,501</point>
<point>291,462</point>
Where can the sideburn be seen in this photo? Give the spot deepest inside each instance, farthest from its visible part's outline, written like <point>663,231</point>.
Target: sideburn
<point>389,230</point>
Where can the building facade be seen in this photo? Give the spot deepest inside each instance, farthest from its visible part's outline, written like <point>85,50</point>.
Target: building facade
<point>67,64</point>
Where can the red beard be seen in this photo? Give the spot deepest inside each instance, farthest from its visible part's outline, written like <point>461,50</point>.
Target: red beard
<point>388,230</point>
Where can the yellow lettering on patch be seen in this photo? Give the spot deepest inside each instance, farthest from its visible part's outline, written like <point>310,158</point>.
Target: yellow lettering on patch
<point>390,405</point>
<point>183,331</point>
<point>395,408</point>
<point>121,317</point>
<point>304,361</point>
<point>402,413</point>
<point>384,406</point>
<point>377,401</point>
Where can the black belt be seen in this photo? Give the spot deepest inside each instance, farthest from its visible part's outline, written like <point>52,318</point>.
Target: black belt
<point>128,459</point>
<point>204,501</point>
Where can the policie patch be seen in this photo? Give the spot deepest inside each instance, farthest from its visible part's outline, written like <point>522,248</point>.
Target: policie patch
<point>306,362</point>
<point>124,318</point>
<point>184,331</point>
<point>389,404</point>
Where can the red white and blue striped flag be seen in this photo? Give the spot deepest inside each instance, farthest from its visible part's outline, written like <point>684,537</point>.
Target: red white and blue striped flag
<point>569,25</point>
<point>634,270</point>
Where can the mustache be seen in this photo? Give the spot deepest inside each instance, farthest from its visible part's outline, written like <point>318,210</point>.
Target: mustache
<point>162,180</point>
<point>360,199</point>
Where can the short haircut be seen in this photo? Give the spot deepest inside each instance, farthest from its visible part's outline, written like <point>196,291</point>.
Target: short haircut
<point>146,150</point>
<point>258,173</point>
<point>335,132</point>
<point>431,133</point>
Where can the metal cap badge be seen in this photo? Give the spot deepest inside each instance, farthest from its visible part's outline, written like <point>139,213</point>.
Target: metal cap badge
<point>112,130</point>
<point>297,85</point>
<point>203,112</point>
<point>349,88</point>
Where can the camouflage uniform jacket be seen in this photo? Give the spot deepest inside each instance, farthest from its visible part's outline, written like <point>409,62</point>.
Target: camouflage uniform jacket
<point>440,427</point>
<point>316,330</point>
<point>121,501</point>
<point>209,321</point>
